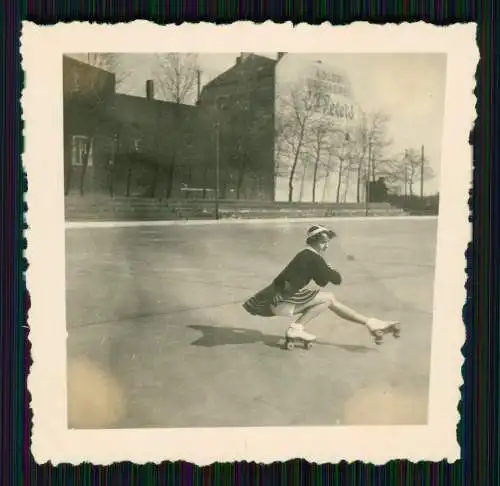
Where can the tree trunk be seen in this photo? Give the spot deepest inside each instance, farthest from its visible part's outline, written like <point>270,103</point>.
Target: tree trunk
<point>205,176</point>
<point>346,186</point>
<point>171,167</point>
<point>155,177</point>
<point>112,169</point>
<point>315,175</point>
<point>85,165</point>
<point>295,162</point>
<point>111,177</point>
<point>325,186</point>
<point>129,178</point>
<point>302,181</point>
<point>339,183</point>
<point>171,174</point>
<point>358,184</point>
<point>241,178</point>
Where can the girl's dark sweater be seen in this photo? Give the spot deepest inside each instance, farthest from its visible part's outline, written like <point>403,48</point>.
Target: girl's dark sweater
<point>307,265</point>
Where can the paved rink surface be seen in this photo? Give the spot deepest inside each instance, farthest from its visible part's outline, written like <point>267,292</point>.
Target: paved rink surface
<point>158,337</point>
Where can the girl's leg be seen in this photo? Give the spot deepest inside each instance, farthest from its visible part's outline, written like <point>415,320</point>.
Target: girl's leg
<point>346,312</point>
<point>308,314</point>
<point>351,315</point>
<point>305,315</point>
<point>325,300</point>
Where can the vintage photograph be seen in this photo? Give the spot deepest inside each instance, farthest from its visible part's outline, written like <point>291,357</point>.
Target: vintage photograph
<point>316,308</point>
<point>250,247</point>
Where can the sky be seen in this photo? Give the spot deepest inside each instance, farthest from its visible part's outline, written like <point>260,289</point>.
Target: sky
<point>409,88</point>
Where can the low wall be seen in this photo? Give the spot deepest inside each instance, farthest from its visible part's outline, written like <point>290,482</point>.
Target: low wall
<point>143,209</point>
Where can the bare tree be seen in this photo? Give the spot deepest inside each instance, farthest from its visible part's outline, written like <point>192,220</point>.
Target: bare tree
<point>175,76</point>
<point>406,170</point>
<point>302,111</point>
<point>378,141</point>
<point>87,95</point>
<point>282,148</point>
<point>351,167</point>
<point>112,62</point>
<point>359,149</point>
<point>330,166</point>
<point>288,148</point>
<point>319,142</point>
<point>342,154</point>
<point>368,144</point>
<point>243,128</point>
<point>307,162</point>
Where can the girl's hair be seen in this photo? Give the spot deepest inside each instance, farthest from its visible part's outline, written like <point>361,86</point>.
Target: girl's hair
<point>317,233</point>
<point>316,236</point>
<point>314,239</point>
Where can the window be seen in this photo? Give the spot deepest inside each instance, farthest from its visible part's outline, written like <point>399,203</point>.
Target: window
<point>79,146</point>
<point>137,144</point>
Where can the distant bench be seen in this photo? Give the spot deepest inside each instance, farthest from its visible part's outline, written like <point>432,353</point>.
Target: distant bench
<point>189,191</point>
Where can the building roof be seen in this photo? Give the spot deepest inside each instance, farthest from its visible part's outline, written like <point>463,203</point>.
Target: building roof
<point>244,64</point>
<point>151,116</point>
<point>135,101</point>
<point>85,65</point>
<point>86,81</point>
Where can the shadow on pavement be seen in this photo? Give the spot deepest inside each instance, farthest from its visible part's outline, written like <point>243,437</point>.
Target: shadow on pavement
<point>222,336</point>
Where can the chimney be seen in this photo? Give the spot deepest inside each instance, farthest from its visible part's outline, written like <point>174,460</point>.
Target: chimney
<point>244,55</point>
<point>150,89</point>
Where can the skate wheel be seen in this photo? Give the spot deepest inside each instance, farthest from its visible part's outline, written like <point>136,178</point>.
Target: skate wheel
<point>308,345</point>
<point>289,345</point>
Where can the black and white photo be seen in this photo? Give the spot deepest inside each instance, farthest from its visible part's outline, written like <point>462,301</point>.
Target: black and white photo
<point>256,244</point>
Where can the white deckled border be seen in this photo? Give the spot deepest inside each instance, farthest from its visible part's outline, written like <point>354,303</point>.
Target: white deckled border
<point>42,47</point>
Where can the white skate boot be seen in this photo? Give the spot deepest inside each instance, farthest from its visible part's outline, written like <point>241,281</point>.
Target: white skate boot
<point>296,334</point>
<point>378,328</point>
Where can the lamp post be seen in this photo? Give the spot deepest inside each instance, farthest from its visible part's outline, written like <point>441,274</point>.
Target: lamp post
<point>368,169</point>
<point>406,174</point>
<point>217,163</point>
<point>422,173</point>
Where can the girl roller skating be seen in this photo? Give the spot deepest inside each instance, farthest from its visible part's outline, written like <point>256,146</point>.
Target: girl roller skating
<point>296,293</point>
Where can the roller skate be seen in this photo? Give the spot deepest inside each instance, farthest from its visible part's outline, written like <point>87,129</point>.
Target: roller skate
<point>296,335</point>
<point>378,329</point>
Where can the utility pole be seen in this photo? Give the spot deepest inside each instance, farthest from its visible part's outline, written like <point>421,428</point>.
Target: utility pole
<point>368,170</point>
<point>422,174</point>
<point>406,183</point>
<point>406,174</point>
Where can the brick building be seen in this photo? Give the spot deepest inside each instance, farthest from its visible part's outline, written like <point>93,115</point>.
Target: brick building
<point>241,102</point>
<point>151,144</point>
<point>121,144</point>
<point>88,93</point>
<point>130,145</point>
